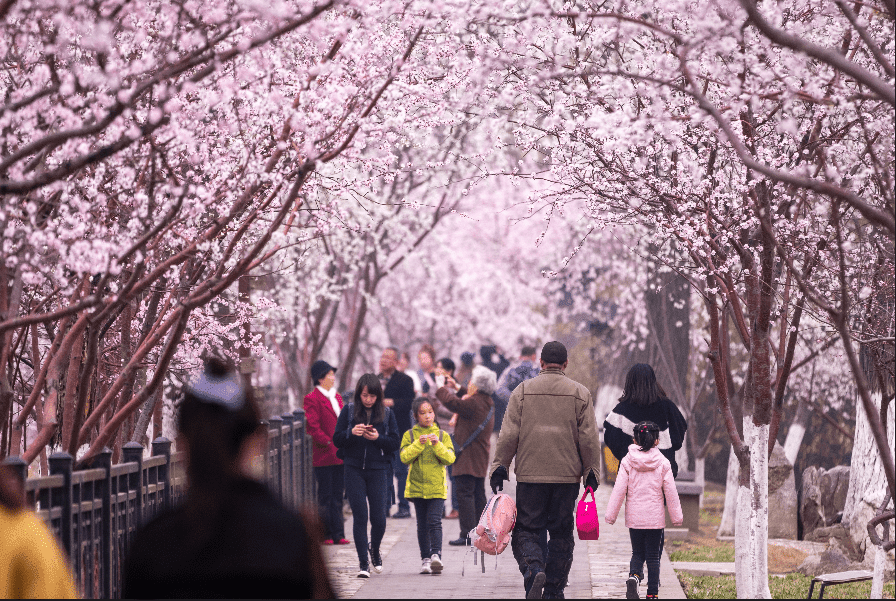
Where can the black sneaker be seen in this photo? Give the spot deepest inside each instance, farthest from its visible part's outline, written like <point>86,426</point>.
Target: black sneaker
<point>631,586</point>
<point>364,571</point>
<point>460,542</point>
<point>402,514</point>
<point>537,586</point>
<point>375,559</point>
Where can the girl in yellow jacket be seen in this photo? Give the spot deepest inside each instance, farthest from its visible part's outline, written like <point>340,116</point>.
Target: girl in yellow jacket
<point>32,566</point>
<point>427,451</point>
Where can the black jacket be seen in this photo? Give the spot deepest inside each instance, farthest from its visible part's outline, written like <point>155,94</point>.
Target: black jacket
<point>401,390</point>
<point>251,546</point>
<point>619,427</point>
<point>361,453</point>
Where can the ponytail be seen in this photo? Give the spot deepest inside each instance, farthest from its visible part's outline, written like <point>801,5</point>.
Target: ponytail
<point>646,435</point>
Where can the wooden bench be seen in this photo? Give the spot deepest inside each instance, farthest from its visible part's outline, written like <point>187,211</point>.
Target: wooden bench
<point>838,578</point>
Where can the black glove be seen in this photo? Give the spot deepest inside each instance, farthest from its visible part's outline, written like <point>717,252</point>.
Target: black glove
<point>498,478</point>
<point>591,480</point>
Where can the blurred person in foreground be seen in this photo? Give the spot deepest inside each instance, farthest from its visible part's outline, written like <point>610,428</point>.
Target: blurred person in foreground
<point>32,565</point>
<point>231,537</point>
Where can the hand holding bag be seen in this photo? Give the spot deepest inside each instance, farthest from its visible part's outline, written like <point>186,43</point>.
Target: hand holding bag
<point>586,517</point>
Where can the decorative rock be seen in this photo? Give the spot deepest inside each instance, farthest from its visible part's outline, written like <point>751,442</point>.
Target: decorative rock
<point>782,501</point>
<point>822,500</point>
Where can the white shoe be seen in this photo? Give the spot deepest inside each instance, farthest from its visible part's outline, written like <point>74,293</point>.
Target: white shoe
<point>426,567</point>
<point>436,564</point>
<point>364,573</point>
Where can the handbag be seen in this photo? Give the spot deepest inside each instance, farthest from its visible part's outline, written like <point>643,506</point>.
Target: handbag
<point>587,523</point>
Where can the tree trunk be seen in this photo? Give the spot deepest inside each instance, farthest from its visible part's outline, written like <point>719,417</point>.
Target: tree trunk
<point>700,474</point>
<point>751,544</point>
<point>867,480</point>
<point>732,490</point>
<point>797,431</point>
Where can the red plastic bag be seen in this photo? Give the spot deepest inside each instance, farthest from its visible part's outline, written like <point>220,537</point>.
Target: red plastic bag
<point>586,517</point>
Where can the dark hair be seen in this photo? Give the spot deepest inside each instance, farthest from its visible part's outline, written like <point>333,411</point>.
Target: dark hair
<point>447,364</point>
<point>646,435</point>
<point>12,493</point>
<point>215,433</point>
<point>641,387</point>
<point>378,411</point>
<point>554,353</point>
<point>527,351</point>
<point>419,402</point>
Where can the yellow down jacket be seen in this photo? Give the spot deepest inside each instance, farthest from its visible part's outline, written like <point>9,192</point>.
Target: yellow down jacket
<point>427,478</point>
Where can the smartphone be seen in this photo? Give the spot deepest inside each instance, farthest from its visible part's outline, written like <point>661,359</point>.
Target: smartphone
<point>440,380</point>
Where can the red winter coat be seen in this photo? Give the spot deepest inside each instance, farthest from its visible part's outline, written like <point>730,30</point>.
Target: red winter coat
<point>321,423</point>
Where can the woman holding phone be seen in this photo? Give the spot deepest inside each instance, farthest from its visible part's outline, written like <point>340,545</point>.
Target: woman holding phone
<point>367,435</point>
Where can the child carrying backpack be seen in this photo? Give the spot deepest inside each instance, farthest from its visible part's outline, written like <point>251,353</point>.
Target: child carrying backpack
<point>645,479</point>
<point>427,451</point>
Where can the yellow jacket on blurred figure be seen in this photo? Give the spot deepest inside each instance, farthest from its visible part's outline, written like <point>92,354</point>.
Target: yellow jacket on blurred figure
<point>32,566</point>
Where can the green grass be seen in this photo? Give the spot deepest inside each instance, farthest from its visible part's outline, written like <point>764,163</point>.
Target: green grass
<point>791,586</point>
<point>703,553</point>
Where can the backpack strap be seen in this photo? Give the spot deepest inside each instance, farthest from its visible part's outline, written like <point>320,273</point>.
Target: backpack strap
<point>476,432</point>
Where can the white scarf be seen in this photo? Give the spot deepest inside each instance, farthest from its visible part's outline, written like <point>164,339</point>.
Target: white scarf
<point>330,394</point>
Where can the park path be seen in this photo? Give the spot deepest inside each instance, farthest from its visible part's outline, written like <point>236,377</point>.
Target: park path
<point>599,568</point>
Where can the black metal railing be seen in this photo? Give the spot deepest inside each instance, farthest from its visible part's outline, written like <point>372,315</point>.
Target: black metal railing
<point>95,511</point>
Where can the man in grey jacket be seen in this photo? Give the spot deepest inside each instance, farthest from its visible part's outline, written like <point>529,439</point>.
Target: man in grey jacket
<point>551,429</point>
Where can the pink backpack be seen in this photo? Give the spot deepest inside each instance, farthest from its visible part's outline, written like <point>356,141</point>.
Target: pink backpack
<point>492,534</point>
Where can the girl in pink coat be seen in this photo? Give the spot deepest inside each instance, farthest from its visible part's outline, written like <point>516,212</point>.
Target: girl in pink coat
<point>645,478</point>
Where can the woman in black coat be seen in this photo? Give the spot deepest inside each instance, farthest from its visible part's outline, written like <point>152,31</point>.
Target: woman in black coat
<point>367,435</point>
<point>231,537</point>
<point>643,399</point>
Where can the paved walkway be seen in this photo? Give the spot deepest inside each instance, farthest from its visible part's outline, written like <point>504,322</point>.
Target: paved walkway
<point>599,568</point>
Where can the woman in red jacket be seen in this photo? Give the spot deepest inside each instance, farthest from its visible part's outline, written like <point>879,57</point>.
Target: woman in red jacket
<point>322,406</point>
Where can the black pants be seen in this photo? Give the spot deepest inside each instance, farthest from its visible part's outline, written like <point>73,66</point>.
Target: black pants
<point>470,501</point>
<point>363,487</point>
<point>400,472</point>
<point>429,526</point>
<point>539,508</point>
<point>647,546</point>
<point>330,487</point>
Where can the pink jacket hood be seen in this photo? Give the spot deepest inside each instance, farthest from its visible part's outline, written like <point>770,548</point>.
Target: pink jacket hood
<point>645,481</point>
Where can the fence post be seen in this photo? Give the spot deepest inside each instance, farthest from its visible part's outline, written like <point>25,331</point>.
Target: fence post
<point>132,452</point>
<point>18,466</point>
<point>291,498</point>
<point>162,446</point>
<point>62,463</point>
<point>103,460</point>
<point>304,460</point>
<point>275,425</point>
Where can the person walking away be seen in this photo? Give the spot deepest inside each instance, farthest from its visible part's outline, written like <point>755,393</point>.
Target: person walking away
<point>231,537</point>
<point>646,484</point>
<point>367,434</point>
<point>466,368</point>
<point>643,399</point>
<point>398,390</point>
<point>322,406</point>
<point>551,429</point>
<point>444,369</point>
<point>475,419</point>
<point>427,450</point>
<point>526,369</point>
<point>32,565</point>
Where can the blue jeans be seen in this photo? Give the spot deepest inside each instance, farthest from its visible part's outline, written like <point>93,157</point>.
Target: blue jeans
<point>647,545</point>
<point>363,487</point>
<point>401,474</point>
<point>429,526</point>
